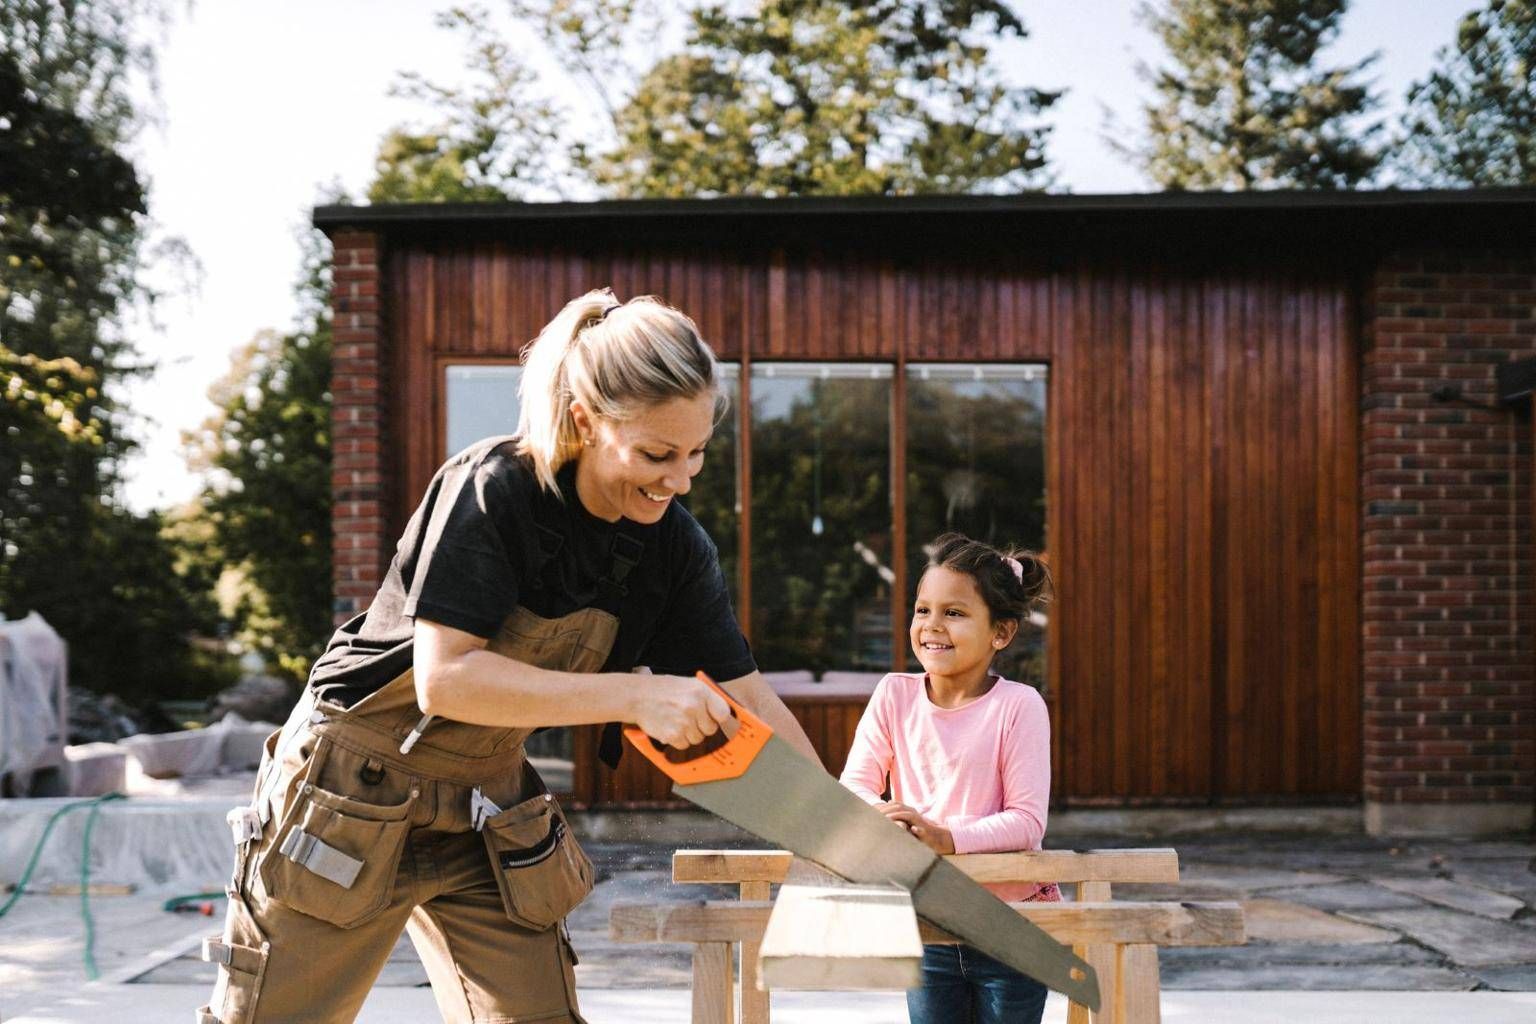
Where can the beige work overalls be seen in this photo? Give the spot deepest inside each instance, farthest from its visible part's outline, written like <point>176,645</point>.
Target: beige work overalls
<point>348,841</point>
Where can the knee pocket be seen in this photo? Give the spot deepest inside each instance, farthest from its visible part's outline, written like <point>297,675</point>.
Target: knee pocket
<point>242,969</point>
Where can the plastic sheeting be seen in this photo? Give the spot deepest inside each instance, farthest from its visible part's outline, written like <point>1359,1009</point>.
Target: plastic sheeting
<point>164,846</point>
<point>33,667</point>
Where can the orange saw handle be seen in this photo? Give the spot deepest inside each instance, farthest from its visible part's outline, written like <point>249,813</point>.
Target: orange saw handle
<point>726,754</point>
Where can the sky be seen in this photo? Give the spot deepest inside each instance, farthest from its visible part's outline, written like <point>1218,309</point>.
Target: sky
<point>262,104</point>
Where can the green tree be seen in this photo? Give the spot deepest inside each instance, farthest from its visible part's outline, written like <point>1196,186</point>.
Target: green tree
<point>1244,105</point>
<point>72,231</point>
<point>1473,120</point>
<point>493,138</point>
<point>266,454</point>
<point>805,97</point>
<point>778,97</point>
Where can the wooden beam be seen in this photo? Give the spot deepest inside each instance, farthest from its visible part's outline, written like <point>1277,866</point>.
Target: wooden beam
<point>826,934</point>
<point>754,999</point>
<point>1162,924</point>
<point>712,1002</point>
<point>1106,965</point>
<point>732,867</point>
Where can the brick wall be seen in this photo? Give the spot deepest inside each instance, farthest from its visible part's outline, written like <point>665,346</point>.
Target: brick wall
<point>358,470</point>
<point>1450,698</point>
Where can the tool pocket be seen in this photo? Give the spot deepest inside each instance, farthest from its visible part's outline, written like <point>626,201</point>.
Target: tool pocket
<point>241,972</point>
<point>335,858</point>
<point>540,869</point>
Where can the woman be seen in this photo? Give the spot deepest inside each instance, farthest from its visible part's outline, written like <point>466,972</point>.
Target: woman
<point>537,572</point>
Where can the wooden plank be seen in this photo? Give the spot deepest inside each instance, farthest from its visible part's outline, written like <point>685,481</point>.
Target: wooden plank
<point>1163,924</point>
<point>1132,865</point>
<point>94,889</point>
<point>712,1003</point>
<point>828,935</point>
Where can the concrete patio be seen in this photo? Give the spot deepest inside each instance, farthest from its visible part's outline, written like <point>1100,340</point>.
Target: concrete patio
<point>1341,926</point>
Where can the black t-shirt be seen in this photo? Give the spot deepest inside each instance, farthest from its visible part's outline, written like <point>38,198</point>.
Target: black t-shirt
<point>486,539</point>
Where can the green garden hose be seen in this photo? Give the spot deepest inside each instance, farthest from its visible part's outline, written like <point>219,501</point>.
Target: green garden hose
<point>85,872</point>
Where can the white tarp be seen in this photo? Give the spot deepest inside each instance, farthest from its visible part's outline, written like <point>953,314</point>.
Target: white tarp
<point>33,665</point>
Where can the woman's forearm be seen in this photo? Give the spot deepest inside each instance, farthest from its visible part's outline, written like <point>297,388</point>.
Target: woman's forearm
<point>483,688</point>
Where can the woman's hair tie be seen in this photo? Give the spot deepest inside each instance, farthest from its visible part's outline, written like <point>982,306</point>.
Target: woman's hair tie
<point>1016,566</point>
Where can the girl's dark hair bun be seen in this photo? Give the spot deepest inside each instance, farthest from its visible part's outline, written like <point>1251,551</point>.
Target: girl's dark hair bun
<point>1009,594</point>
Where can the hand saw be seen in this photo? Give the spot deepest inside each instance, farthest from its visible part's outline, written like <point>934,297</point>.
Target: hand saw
<point>751,778</point>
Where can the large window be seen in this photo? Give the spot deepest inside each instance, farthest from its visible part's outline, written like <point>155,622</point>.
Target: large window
<point>715,499</point>
<point>823,551</point>
<point>975,463</point>
<point>481,402</point>
<point>821,515</point>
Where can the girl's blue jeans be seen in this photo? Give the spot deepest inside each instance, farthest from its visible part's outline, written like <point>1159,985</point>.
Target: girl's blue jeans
<point>964,986</point>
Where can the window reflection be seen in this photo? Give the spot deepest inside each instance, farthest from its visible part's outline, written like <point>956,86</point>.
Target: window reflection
<point>976,464</point>
<point>821,516</point>
<point>482,402</point>
<point>715,499</point>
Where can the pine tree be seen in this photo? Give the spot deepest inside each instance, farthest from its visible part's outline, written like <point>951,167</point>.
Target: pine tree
<point>1473,120</point>
<point>1244,105</point>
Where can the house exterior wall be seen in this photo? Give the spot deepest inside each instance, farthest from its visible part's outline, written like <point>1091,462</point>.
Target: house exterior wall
<point>1449,660</point>
<point>1212,409</point>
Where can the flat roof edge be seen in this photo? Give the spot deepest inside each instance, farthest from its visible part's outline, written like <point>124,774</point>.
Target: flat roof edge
<point>1171,203</point>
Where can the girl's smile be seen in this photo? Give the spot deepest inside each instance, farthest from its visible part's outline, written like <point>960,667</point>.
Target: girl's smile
<point>953,635</point>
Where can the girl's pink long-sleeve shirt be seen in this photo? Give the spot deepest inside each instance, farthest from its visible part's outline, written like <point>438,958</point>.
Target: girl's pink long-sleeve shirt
<point>983,771</point>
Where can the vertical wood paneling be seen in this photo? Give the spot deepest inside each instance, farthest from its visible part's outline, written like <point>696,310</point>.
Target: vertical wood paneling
<point>1202,482</point>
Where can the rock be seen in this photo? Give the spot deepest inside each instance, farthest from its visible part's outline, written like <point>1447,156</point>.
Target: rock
<point>99,718</point>
<point>256,698</point>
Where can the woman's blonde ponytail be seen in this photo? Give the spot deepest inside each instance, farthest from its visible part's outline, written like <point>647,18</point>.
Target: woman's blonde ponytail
<point>615,358</point>
<point>544,425</point>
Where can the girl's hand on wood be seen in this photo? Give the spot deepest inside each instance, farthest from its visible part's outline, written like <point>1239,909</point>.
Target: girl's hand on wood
<point>935,836</point>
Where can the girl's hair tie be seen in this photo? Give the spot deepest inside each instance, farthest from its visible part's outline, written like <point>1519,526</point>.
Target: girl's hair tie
<point>1016,566</point>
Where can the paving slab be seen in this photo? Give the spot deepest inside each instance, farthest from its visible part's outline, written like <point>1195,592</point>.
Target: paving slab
<point>1507,977</point>
<point>1257,955</point>
<point>1458,895</point>
<point>1469,940</point>
<point>1176,891</point>
<point>1472,849</point>
<point>1249,877</point>
<point>1349,896</point>
<point>156,1004</point>
<point>1276,921</point>
<point>1321,978</point>
<point>1511,876</point>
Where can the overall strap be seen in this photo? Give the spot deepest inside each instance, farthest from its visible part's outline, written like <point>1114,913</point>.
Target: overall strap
<point>623,557</point>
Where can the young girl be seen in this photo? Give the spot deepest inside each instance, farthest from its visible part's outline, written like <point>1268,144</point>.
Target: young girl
<point>968,758</point>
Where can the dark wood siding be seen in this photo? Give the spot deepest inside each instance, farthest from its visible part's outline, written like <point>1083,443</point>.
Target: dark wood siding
<point>1202,507</point>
